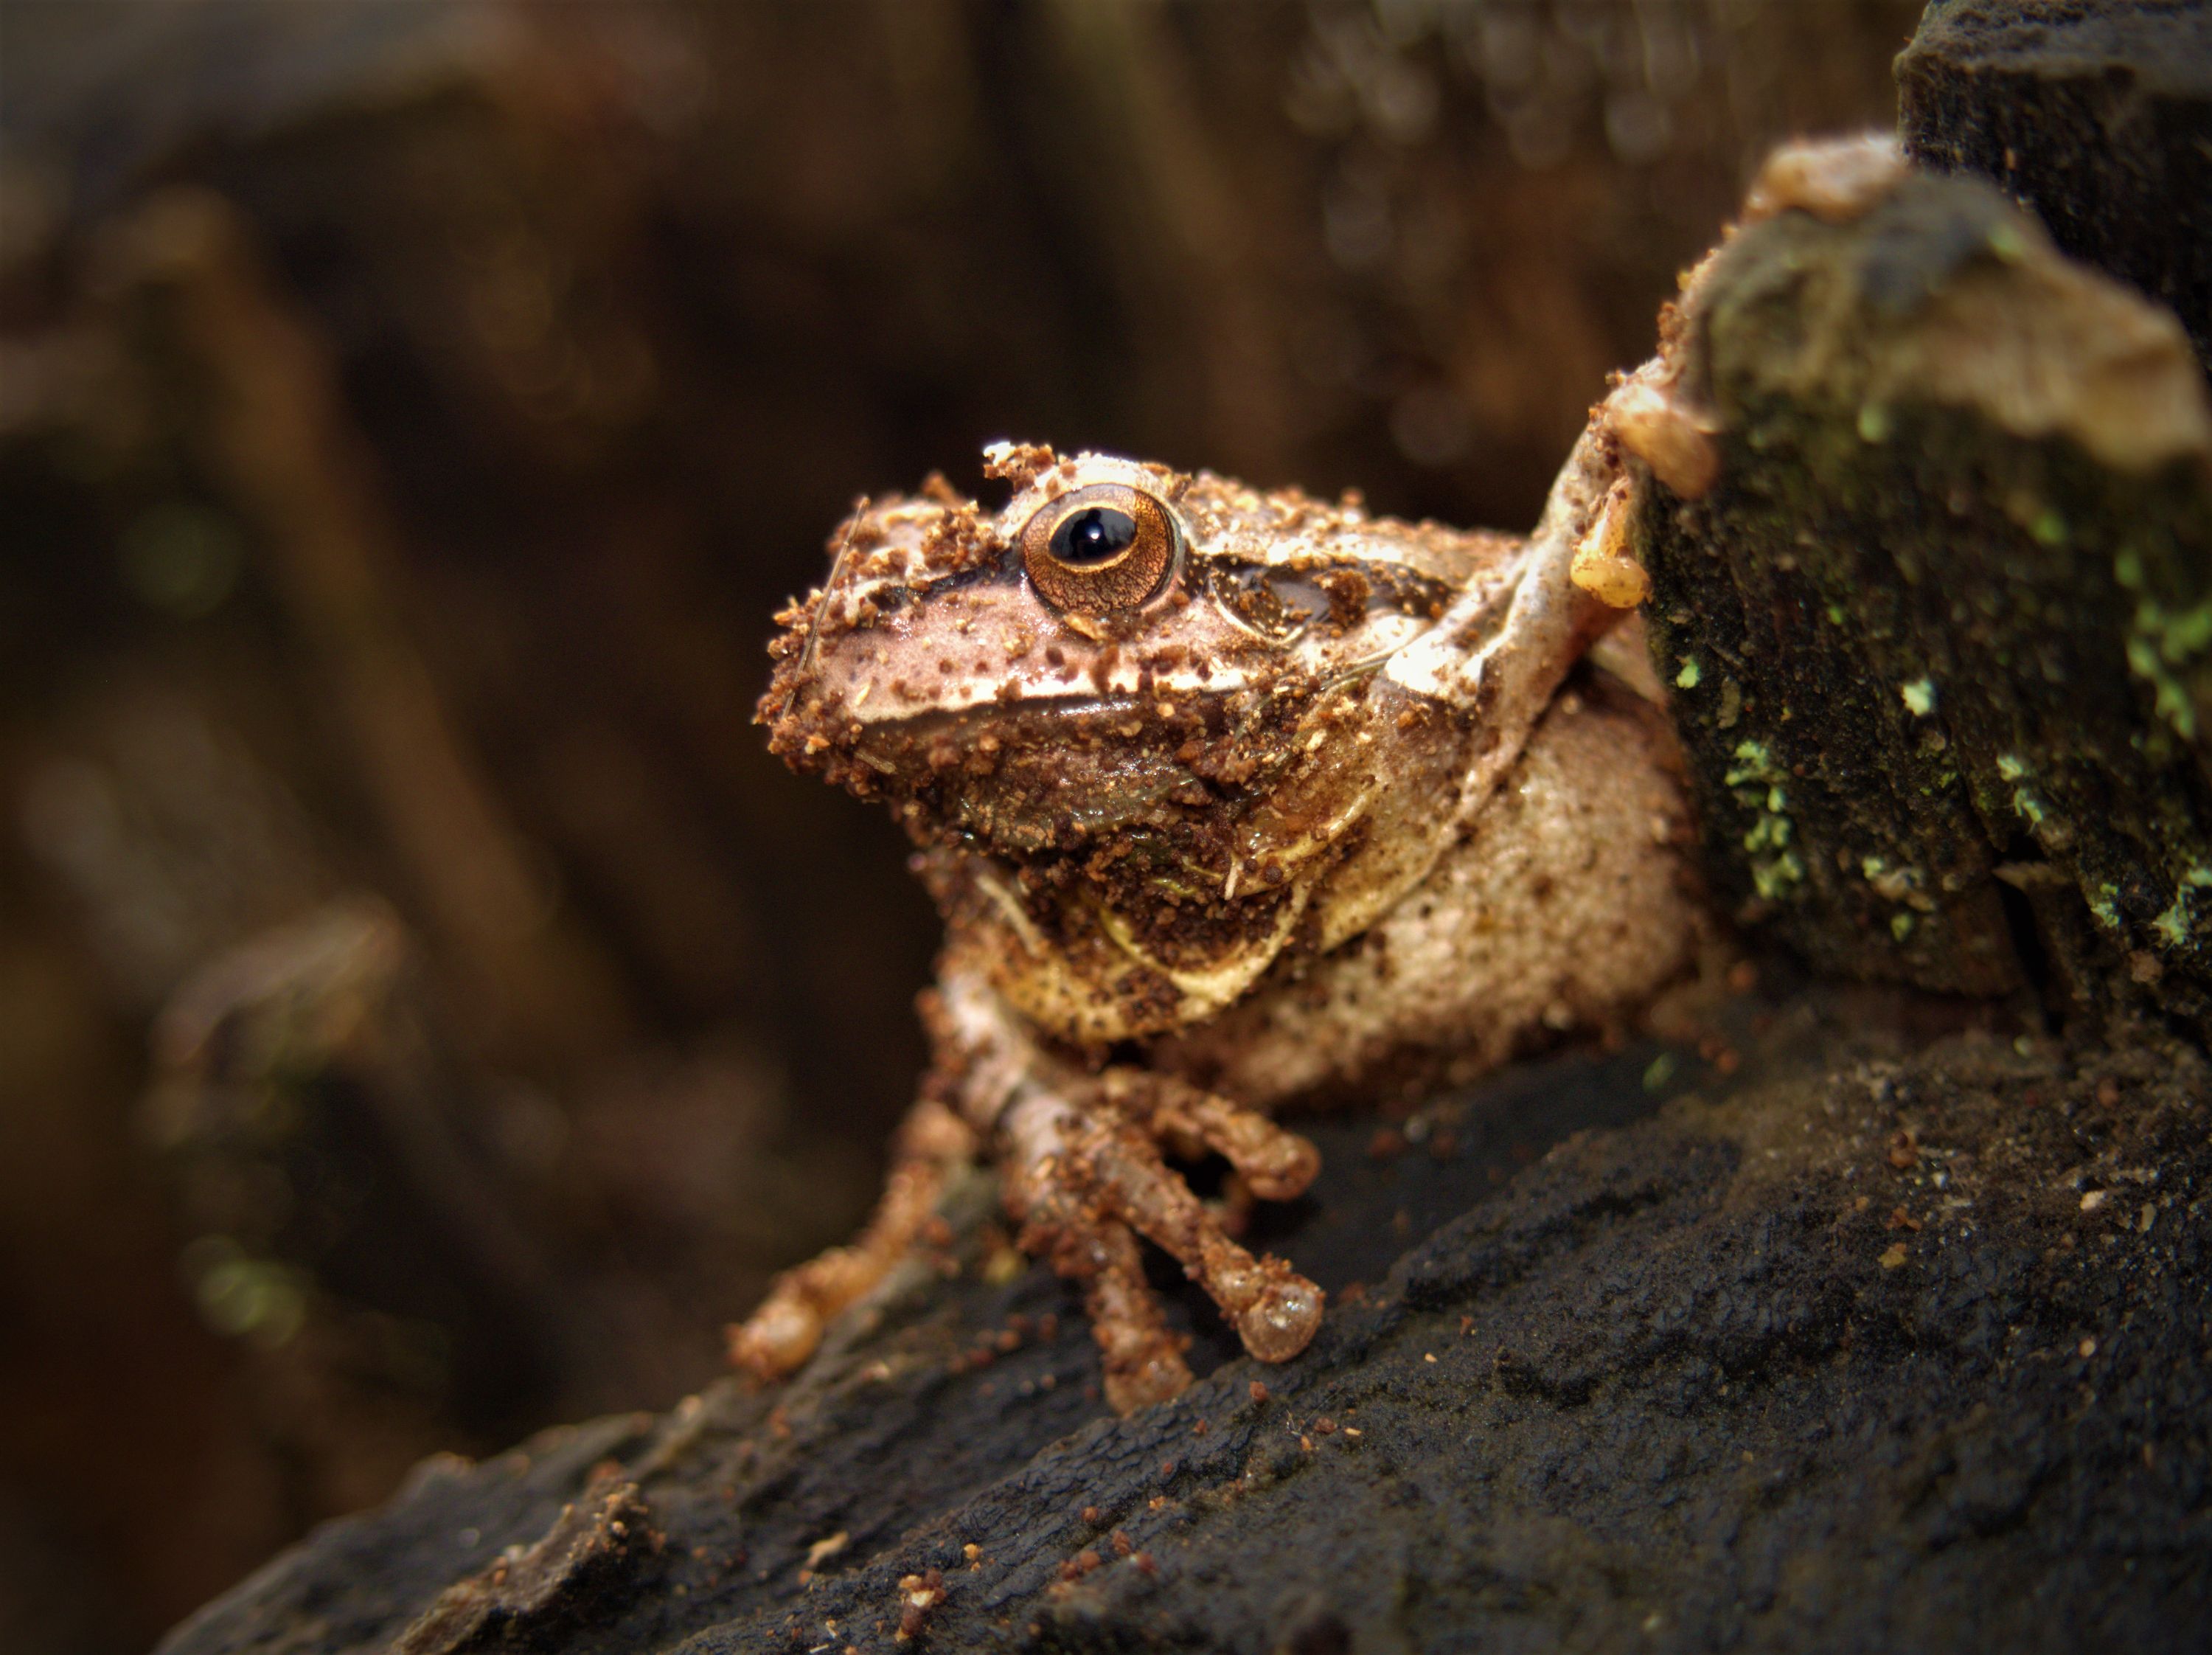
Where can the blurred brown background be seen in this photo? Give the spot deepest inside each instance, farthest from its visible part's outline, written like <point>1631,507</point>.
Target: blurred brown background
<point>425,1010</point>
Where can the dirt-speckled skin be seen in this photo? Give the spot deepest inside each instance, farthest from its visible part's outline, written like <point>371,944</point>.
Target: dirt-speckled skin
<point>1299,802</point>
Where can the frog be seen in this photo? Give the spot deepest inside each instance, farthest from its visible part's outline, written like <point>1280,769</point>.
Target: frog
<point>1235,800</point>
<point>1231,800</point>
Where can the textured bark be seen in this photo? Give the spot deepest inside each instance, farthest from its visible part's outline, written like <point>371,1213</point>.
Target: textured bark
<point>1938,633</point>
<point>1880,1351</point>
<point>2096,115</point>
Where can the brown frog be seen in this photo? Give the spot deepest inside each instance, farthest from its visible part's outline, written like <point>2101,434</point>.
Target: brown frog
<point>1229,799</point>
<point>1233,798</point>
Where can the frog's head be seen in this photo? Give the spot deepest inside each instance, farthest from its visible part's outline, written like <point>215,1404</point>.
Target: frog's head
<point>1131,693</point>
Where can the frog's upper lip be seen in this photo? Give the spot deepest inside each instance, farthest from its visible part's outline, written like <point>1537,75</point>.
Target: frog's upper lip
<point>887,673</point>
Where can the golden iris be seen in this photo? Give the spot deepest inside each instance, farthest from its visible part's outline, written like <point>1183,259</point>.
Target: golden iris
<point>1098,549</point>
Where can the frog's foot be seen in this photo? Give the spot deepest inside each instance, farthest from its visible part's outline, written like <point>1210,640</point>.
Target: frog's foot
<point>1275,1164</point>
<point>1084,1178</point>
<point>1142,1357</point>
<point>786,1327</point>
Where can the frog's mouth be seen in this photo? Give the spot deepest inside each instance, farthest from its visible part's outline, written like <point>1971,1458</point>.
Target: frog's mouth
<point>1038,777</point>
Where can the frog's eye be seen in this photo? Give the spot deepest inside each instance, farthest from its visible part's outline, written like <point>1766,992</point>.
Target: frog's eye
<point>1105,547</point>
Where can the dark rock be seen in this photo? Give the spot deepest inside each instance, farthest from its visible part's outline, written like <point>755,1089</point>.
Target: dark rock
<point>585,1564</point>
<point>2097,115</point>
<point>1939,633</point>
<point>1888,1348</point>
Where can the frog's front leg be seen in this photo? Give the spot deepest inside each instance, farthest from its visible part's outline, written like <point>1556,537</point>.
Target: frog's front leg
<point>1084,1171</point>
<point>1084,1178</point>
<point>1141,1356</point>
<point>787,1327</point>
<point>980,1057</point>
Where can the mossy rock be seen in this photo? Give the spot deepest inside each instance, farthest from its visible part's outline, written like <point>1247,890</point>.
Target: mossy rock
<point>1941,636</point>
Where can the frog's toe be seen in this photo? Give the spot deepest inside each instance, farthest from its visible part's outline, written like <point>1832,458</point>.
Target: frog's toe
<point>787,1326</point>
<point>1283,1318</point>
<point>1275,1164</point>
<point>1274,1310</point>
<point>1142,1357</point>
<point>780,1335</point>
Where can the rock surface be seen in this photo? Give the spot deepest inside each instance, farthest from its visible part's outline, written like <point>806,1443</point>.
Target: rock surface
<point>2095,115</point>
<point>1891,1344</point>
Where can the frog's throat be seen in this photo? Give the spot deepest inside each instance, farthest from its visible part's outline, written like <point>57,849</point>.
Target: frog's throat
<point>1301,862</point>
<point>1201,990</point>
<point>1222,982</point>
<point>1011,911</point>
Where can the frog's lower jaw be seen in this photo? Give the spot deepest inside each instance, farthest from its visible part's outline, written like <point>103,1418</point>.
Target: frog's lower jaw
<point>1108,986</point>
<point>1222,981</point>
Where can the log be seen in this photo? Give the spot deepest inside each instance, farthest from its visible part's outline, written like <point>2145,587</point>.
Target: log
<point>1881,1348</point>
<point>2096,116</point>
<point>1938,631</point>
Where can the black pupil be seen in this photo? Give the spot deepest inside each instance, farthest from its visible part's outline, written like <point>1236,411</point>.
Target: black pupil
<point>1092,535</point>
